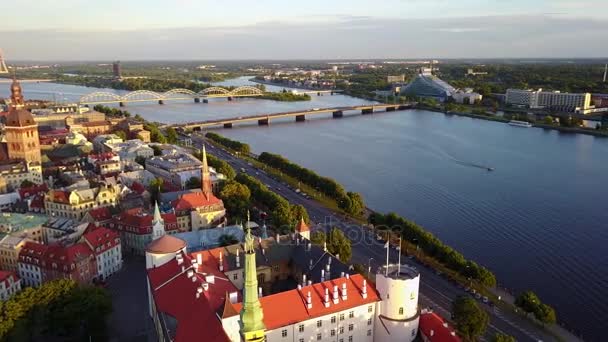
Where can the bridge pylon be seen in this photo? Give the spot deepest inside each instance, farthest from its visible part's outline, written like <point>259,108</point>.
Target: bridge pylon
<point>3,68</point>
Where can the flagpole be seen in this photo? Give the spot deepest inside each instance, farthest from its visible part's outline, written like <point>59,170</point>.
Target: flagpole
<point>387,250</point>
<point>399,249</point>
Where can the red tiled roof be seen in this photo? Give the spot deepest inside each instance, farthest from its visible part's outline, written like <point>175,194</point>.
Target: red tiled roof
<point>102,238</point>
<point>32,253</point>
<point>102,156</point>
<point>302,226</point>
<point>33,190</point>
<point>433,322</point>
<point>59,196</point>
<point>100,214</point>
<point>4,275</point>
<point>138,188</point>
<point>177,298</point>
<point>64,257</point>
<point>137,221</point>
<point>195,200</point>
<point>275,315</point>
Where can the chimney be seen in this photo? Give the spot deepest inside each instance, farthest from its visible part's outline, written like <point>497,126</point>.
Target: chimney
<point>238,259</point>
<point>309,282</point>
<point>322,275</point>
<point>336,294</point>
<point>310,265</point>
<point>432,333</point>
<point>183,268</point>
<point>445,324</point>
<point>303,280</point>
<point>278,238</point>
<point>297,241</point>
<point>364,290</point>
<point>324,246</point>
<point>199,259</point>
<point>341,274</point>
<point>205,287</point>
<point>326,297</point>
<point>260,292</point>
<point>309,246</point>
<point>299,287</point>
<point>453,333</point>
<point>308,300</point>
<point>347,276</point>
<point>190,273</point>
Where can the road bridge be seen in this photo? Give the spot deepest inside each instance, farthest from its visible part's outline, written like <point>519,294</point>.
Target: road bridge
<point>101,97</point>
<point>264,119</point>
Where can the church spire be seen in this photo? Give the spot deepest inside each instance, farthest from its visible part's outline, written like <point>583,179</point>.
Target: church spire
<point>206,176</point>
<point>158,224</point>
<point>16,93</point>
<point>252,316</point>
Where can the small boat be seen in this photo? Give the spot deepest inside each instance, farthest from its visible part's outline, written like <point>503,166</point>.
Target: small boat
<point>490,169</point>
<point>520,123</point>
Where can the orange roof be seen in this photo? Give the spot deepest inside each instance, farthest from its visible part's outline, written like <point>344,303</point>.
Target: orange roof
<point>275,315</point>
<point>432,327</point>
<point>166,244</point>
<point>302,226</point>
<point>195,200</point>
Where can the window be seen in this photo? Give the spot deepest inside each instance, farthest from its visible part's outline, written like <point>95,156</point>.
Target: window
<point>341,330</point>
<point>370,309</point>
<point>341,317</point>
<point>333,319</point>
<point>301,340</point>
<point>369,332</point>
<point>235,276</point>
<point>318,337</point>
<point>301,328</point>
<point>401,311</point>
<point>369,321</point>
<point>350,338</point>
<point>333,332</point>
<point>413,332</point>
<point>341,340</point>
<point>351,314</point>
<point>351,327</point>
<point>319,324</point>
<point>284,333</point>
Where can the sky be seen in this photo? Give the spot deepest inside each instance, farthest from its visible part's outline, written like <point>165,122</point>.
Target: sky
<point>309,29</point>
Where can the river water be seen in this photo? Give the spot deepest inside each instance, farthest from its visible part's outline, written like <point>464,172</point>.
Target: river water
<point>539,220</point>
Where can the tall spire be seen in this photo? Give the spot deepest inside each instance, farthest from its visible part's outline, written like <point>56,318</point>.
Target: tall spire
<point>206,176</point>
<point>252,316</point>
<point>158,224</point>
<point>16,93</point>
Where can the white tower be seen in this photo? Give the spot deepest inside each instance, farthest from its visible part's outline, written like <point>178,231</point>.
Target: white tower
<point>158,224</point>
<point>397,314</point>
<point>3,68</point>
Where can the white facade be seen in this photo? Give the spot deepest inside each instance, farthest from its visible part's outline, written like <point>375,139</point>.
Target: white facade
<point>568,102</point>
<point>398,312</point>
<point>109,262</point>
<point>30,274</point>
<point>9,287</point>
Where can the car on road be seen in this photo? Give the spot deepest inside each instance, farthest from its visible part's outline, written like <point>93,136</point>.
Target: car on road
<point>243,170</point>
<point>477,296</point>
<point>485,299</point>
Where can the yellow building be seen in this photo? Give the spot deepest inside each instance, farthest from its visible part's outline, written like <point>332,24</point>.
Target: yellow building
<point>14,172</point>
<point>75,204</point>
<point>10,246</point>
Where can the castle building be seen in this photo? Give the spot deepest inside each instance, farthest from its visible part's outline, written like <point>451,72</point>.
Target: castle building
<point>75,204</point>
<point>137,228</point>
<point>285,289</point>
<point>21,130</point>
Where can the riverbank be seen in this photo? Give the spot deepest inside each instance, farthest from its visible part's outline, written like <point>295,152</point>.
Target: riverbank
<point>284,85</point>
<point>489,117</point>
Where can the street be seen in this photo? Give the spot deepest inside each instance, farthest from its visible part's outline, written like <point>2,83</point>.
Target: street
<point>436,291</point>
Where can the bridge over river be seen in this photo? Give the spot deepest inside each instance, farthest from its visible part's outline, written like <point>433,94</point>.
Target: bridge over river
<point>264,119</point>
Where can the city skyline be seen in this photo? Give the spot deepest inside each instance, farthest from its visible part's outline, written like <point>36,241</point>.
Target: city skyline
<point>311,30</point>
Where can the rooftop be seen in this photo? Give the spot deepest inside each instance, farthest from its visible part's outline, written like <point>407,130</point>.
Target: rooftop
<point>165,244</point>
<point>436,329</point>
<point>14,222</point>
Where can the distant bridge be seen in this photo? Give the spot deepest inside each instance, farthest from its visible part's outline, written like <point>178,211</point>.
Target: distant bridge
<point>264,119</point>
<point>101,97</point>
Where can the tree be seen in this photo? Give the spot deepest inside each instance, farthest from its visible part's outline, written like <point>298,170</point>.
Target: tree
<point>236,198</point>
<point>157,150</point>
<point>471,321</point>
<point>339,244</point>
<point>193,183</point>
<point>156,186</point>
<point>548,120</point>
<point>318,238</point>
<point>121,134</point>
<point>141,160</point>
<point>297,213</point>
<point>27,183</point>
<point>361,269</point>
<point>227,240</point>
<point>171,135</point>
<point>503,338</point>
<point>281,218</point>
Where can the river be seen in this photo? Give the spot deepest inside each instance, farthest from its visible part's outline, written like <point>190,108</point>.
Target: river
<point>538,220</point>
